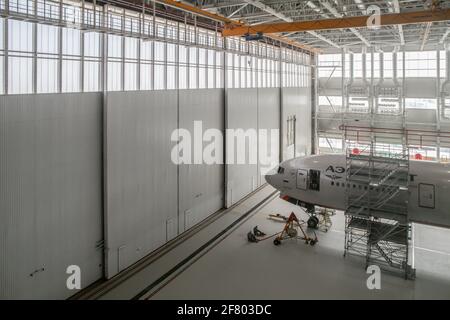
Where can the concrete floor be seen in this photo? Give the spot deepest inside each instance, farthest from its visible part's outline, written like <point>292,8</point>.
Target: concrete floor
<point>237,269</point>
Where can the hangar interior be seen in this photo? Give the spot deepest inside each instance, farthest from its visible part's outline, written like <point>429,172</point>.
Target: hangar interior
<point>93,95</point>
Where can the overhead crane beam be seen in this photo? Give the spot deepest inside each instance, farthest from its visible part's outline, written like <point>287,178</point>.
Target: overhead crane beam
<point>340,23</point>
<point>230,22</point>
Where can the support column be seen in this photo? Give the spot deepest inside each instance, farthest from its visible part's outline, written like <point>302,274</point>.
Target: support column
<point>34,63</point>
<point>314,103</point>
<point>59,70</point>
<point>165,58</point>
<point>6,50</point>
<point>344,100</point>
<point>122,77</point>
<point>404,87</point>
<point>82,47</point>
<point>438,104</point>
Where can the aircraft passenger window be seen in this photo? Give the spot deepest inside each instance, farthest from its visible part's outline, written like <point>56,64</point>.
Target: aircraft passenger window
<point>365,187</point>
<point>314,180</point>
<point>337,184</point>
<point>354,186</point>
<point>332,183</point>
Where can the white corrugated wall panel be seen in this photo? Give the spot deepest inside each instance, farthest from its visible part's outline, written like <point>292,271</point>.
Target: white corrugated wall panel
<point>201,186</point>
<point>268,120</point>
<point>241,113</point>
<point>141,179</point>
<point>297,102</point>
<point>50,193</point>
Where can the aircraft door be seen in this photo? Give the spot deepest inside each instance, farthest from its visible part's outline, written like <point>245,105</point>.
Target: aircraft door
<point>426,196</point>
<point>302,179</point>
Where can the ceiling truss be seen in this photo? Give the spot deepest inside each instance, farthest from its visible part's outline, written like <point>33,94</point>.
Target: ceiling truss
<point>413,36</point>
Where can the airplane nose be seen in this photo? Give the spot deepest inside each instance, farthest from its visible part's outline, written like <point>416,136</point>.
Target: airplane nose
<point>270,175</point>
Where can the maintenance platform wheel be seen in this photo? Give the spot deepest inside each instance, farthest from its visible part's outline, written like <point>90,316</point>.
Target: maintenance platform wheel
<point>312,242</point>
<point>313,222</point>
<point>276,242</point>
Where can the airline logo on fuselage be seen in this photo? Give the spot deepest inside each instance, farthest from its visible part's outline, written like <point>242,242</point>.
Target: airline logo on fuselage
<point>334,173</point>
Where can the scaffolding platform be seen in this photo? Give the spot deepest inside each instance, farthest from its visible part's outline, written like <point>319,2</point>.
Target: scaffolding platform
<point>377,224</point>
<point>367,212</point>
<point>398,233</point>
<point>381,242</point>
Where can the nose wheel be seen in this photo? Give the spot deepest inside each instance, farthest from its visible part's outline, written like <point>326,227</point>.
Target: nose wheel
<point>313,222</point>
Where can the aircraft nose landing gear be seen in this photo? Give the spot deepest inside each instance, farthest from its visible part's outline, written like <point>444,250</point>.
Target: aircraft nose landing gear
<point>320,220</point>
<point>313,222</point>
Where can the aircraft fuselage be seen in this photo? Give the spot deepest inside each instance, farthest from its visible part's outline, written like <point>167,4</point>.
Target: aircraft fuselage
<point>321,180</point>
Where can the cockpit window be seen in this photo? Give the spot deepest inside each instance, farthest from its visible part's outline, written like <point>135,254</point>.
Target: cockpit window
<point>280,170</point>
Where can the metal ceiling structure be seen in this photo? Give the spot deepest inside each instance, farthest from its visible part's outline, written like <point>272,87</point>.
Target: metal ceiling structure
<point>420,36</point>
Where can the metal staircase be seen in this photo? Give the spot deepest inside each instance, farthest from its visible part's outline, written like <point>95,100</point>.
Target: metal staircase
<point>377,225</point>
